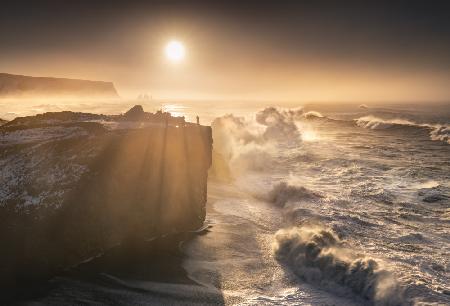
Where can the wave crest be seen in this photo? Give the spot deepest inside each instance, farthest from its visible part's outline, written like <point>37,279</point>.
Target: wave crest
<point>318,256</point>
<point>375,123</point>
<point>437,132</point>
<point>313,115</point>
<point>441,133</point>
<point>283,192</point>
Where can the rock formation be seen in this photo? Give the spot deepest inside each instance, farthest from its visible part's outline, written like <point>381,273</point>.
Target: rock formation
<point>73,185</point>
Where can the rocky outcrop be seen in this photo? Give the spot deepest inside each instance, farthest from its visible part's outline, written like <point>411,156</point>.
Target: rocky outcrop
<point>135,113</point>
<point>72,188</point>
<point>20,86</point>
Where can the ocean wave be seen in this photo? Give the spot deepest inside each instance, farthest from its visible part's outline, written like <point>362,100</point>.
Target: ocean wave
<point>312,115</point>
<point>438,132</point>
<point>250,143</point>
<point>441,133</point>
<point>318,256</point>
<point>283,192</point>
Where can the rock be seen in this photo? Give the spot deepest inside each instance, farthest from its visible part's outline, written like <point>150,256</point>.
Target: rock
<point>135,113</point>
<point>70,189</point>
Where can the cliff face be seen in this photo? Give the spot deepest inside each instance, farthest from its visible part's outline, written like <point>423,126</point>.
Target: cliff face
<point>25,86</point>
<point>71,189</point>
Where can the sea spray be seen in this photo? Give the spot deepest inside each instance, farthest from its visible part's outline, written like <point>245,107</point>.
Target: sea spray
<point>318,256</point>
<point>251,143</point>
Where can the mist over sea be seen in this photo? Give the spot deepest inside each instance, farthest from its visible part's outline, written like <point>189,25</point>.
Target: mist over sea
<point>319,205</point>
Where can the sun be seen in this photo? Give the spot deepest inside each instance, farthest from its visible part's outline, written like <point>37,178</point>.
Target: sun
<point>175,51</point>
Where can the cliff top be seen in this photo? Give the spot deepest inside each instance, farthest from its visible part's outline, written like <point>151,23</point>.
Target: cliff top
<point>55,125</point>
<point>18,86</point>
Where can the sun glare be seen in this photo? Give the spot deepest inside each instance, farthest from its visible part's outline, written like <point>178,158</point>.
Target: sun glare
<point>175,51</point>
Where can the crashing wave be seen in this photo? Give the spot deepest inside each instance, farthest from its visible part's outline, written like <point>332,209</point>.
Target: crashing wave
<point>438,132</point>
<point>248,143</point>
<point>318,256</point>
<point>375,123</point>
<point>441,133</point>
<point>313,115</point>
<point>284,192</point>
<point>279,124</point>
<point>240,143</point>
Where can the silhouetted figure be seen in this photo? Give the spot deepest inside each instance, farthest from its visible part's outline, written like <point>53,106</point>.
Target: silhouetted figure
<point>198,120</point>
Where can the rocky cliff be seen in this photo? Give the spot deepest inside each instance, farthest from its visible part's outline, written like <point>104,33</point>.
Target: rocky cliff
<point>20,86</point>
<point>74,184</point>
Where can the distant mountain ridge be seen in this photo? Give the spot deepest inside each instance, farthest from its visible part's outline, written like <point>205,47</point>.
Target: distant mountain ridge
<point>21,86</point>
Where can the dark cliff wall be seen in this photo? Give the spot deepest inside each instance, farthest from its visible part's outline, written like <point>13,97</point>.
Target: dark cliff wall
<point>23,86</point>
<point>137,184</point>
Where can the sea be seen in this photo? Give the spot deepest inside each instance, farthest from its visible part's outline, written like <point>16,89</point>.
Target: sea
<point>319,204</point>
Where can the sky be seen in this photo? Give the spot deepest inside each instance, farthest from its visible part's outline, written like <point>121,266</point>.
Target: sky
<point>305,51</point>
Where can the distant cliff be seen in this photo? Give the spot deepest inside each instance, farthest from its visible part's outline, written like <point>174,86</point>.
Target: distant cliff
<point>74,184</point>
<point>18,86</point>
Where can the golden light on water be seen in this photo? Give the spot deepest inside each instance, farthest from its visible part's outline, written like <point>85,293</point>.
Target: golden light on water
<point>175,51</point>
<point>176,110</point>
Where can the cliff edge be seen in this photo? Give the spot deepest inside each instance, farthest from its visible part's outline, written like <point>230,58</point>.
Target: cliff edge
<point>21,86</point>
<point>74,184</point>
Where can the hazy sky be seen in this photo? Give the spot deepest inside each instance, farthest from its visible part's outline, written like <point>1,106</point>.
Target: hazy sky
<point>255,50</point>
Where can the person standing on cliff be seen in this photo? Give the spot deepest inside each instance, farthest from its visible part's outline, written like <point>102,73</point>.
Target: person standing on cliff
<point>198,120</point>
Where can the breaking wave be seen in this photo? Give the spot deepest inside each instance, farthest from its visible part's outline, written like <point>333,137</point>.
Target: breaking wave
<point>438,132</point>
<point>318,256</point>
<point>273,141</point>
<point>283,192</point>
<point>441,133</point>
<point>250,143</point>
<point>313,114</point>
